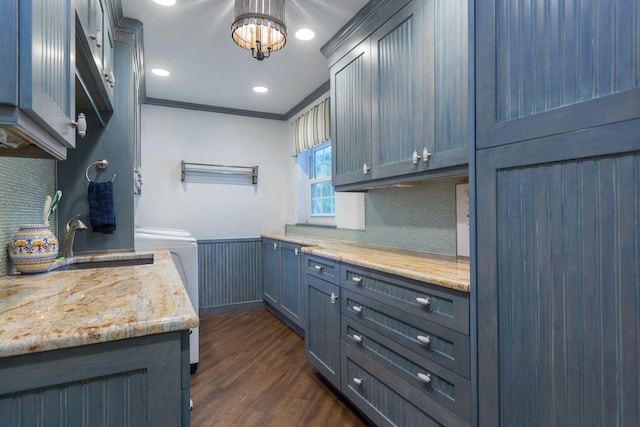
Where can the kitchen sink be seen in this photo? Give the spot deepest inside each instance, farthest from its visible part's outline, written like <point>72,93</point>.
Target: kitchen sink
<point>108,261</point>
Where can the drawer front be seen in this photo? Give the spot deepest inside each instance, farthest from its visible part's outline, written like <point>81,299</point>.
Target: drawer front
<point>442,345</point>
<point>323,268</point>
<point>437,304</point>
<point>437,383</point>
<point>385,399</point>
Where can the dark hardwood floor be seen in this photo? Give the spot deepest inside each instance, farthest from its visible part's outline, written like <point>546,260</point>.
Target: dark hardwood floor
<point>253,372</point>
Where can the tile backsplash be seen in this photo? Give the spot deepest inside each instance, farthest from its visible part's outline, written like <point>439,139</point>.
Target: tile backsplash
<point>419,218</point>
<point>24,184</point>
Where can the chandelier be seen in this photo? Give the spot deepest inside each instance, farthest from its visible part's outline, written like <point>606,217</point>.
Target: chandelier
<point>259,26</point>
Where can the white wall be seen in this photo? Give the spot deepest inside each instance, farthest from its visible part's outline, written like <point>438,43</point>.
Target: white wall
<point>207,210</point>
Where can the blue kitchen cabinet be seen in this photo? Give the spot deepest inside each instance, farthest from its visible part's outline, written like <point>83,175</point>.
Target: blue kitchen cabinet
<point>37,94</point>
<point>271,271</point>
<point>95,43</point>
<point>281,278</point>
<point>140,381</point>
<point>557,197</point>
<point>400,97</point>
<point>322,335</point>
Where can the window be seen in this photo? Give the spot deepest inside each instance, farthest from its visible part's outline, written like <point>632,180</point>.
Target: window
<point>322,194</point>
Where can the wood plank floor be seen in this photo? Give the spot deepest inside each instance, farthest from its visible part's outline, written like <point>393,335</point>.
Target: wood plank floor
<point>253,372</point>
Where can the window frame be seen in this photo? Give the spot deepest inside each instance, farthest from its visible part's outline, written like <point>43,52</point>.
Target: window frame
<point>312,179</point>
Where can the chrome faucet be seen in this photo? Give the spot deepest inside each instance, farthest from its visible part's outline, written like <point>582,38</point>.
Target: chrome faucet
<point>69,233</point>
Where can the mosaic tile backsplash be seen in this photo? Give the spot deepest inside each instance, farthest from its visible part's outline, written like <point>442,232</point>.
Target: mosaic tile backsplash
<point>419,218</point>
<point>24,184</point>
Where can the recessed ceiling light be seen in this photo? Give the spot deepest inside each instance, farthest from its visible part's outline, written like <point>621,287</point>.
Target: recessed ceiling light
<point>260,89</point>
<point>305,34</point>
<point>165,2</point>
<point>161,72</point>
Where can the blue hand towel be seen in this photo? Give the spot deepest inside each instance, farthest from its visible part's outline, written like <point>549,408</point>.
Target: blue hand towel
<point>101,211</point>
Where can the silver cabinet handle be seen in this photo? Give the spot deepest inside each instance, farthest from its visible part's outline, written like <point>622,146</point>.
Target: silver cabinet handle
<point>415,157</point>
<point>334,297</point>
<point>318,267</point>
<point>365,169</point>
<point>275,246</point>
<point>297,251</point>
<point>424,301</point>
<point>357,309</point>
<point>97,36</point>
<point>358,381</point>
<point>356,338</point>
<point>357,279</point>
<point>426,340</point>
<point>425,378</point>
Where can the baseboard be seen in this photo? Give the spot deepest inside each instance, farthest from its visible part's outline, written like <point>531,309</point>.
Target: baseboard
<point>231,308</point>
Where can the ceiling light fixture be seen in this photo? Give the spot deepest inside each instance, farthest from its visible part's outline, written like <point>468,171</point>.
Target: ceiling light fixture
<point>259,26</point>
<point>260,89</point>
<point>161,72</point>
<point>305,34</point>
<point>165,2</point>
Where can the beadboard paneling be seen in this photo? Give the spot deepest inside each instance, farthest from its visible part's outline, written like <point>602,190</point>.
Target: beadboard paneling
<point>229,272</point>
<point>568,292</point>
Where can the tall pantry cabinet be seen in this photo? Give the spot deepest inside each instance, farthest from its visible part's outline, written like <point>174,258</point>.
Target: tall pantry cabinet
<point>557,191</point>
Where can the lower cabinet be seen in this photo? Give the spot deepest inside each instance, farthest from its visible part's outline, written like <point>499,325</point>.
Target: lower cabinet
<point>398,349</point>
<point>139,382</point>
<point>281,281</point>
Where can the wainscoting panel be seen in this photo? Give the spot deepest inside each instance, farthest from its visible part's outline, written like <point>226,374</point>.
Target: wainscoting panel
<point>229,275</point>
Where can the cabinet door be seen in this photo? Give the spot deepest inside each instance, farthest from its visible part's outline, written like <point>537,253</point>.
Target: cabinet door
<point>351,116</point>
<point>47,67</point>
<point>397,76</point>
<point>270,271</point>
<point>107,52</point>
<point>290,292</point>
<point>322,335</point>
<point>557,231</point>
<point>545,69</point>
<point>448,83</point>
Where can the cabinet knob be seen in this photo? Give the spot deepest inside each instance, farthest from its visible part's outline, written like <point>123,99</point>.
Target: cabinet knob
<point>426,340</point>
<point>357,279</point>
<point>356,338</point>
<point>296,251</point>
<point>275,246</point>
<point>425,378</point>
<point>81,125</point>
<point>357,309</point>
<point>424,301</point>
<point>334,297</point>
<point>416,157</point>
<point>110,77</point>
<point>97,37</point>
<point>318,267</point>
<point>365,169</point>
<point>358,381</point>
<point>426,155</point>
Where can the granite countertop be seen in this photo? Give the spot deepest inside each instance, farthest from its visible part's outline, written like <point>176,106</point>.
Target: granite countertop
<point>70,308</point>
<point>447,271</point>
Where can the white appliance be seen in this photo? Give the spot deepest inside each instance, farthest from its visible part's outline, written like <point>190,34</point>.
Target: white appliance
<point>184,250</point>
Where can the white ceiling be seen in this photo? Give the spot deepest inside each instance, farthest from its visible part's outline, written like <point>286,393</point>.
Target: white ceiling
<point>193,40</point>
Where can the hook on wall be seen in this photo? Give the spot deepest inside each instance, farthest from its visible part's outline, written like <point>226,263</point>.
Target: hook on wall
<point>100,164</point>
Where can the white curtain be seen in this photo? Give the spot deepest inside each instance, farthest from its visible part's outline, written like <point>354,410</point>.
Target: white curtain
<point>312,128</point>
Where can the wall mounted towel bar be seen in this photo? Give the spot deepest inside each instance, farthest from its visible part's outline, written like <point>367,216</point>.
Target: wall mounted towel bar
<point>100,164</point>
<point>222,174</point>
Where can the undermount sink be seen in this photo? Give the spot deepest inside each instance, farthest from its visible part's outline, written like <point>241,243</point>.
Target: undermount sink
<point>109,261</point>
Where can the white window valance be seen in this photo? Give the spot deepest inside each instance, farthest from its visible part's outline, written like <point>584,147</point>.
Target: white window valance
<point>312,128</point>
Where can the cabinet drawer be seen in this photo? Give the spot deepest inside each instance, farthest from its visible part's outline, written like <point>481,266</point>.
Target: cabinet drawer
<point>442,345</point>
<point>437,383</point>
<point>387,400</point>
<point>323,268</point>
<point>440,305</point>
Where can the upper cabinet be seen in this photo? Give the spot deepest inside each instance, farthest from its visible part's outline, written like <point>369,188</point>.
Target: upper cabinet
<point>37,94</point>
<point>400,93</point>
<point>95,45</point>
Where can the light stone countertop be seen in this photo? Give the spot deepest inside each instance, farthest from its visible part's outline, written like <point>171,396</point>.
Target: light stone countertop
<point>70,308</point>
<point>447,271</point>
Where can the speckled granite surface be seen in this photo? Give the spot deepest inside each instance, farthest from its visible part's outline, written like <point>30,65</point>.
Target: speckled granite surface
<point>446,271</point>
<point>69,308</point>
